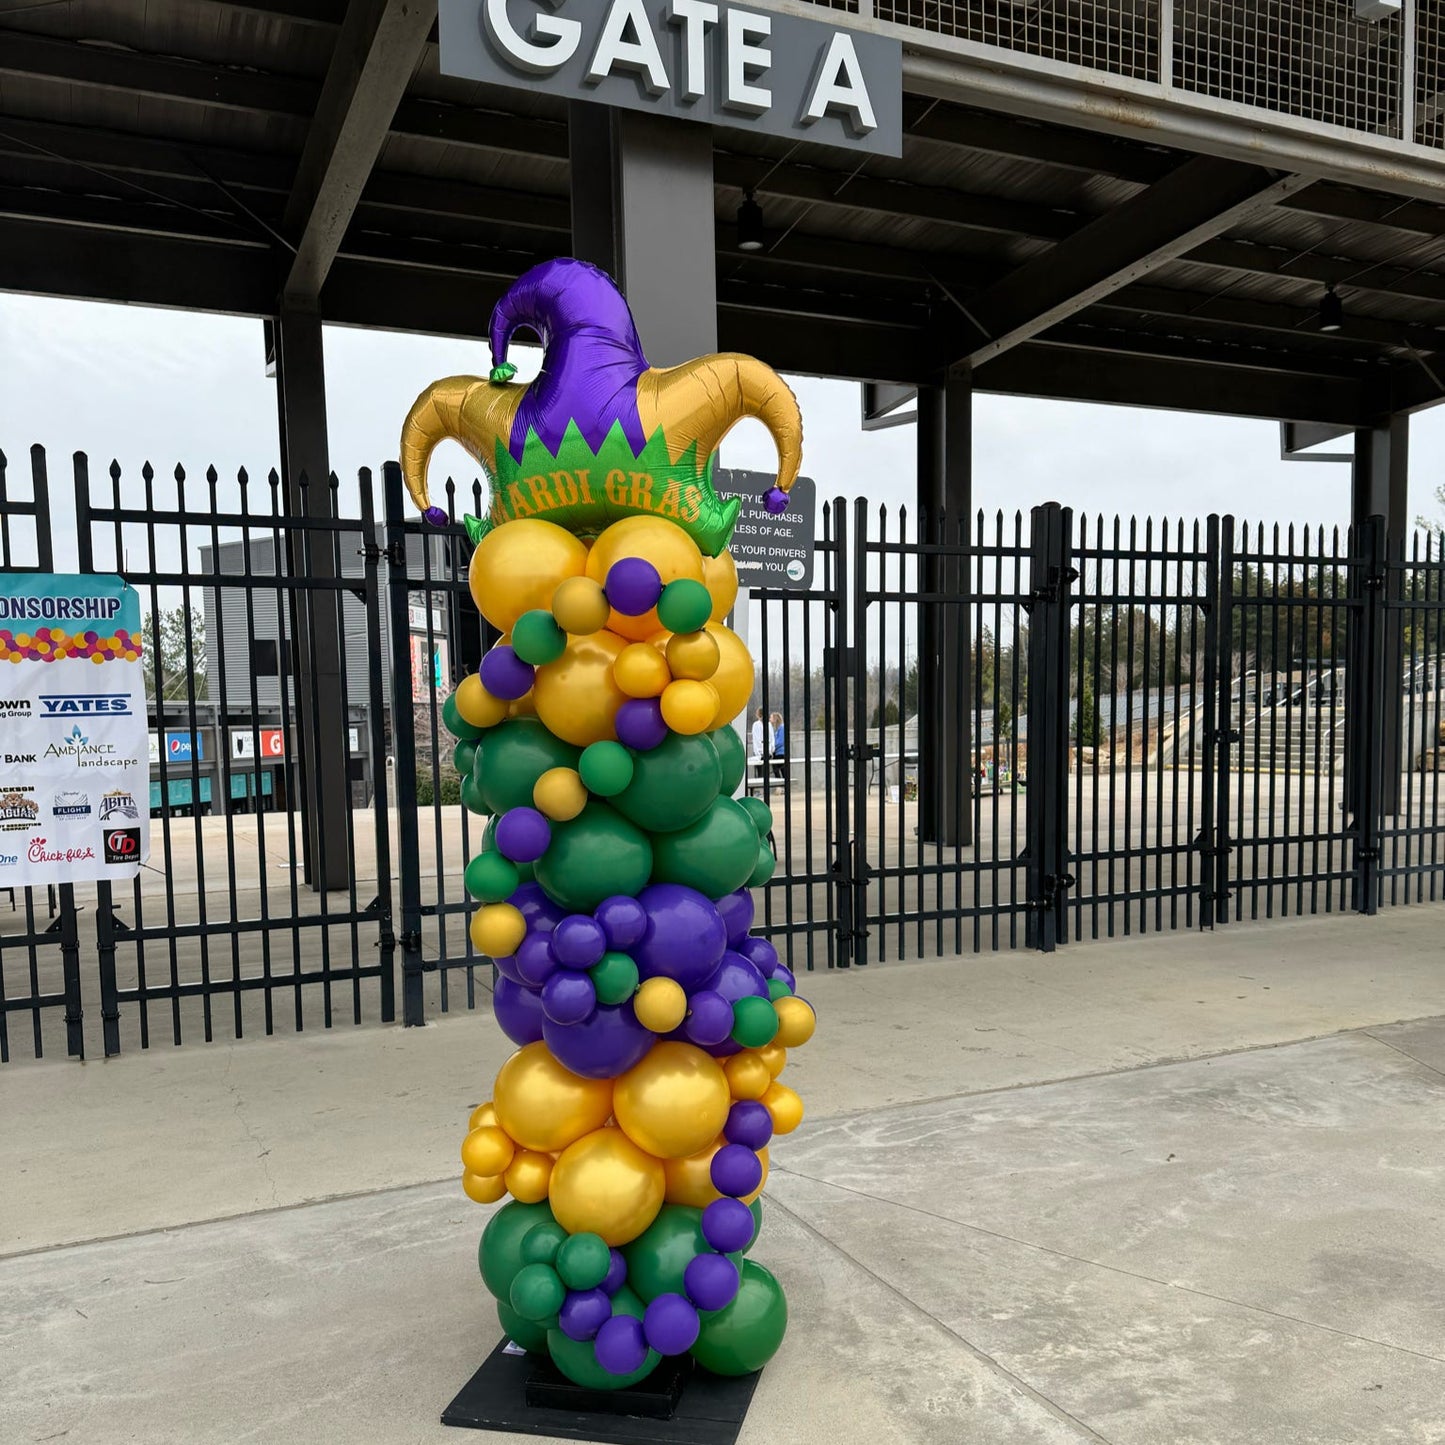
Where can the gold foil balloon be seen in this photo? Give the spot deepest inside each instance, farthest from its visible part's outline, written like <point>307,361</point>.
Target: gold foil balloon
<point>577,697</point>
<point>734,677</point>
<point>517,568</point>
<point>674,1102</point>
<point>689,1179</point>
<point>604,1184</point>
<point>660,542</point>
<point>529,1175</point>
<point>543,1106</point>
<point>720,577</point>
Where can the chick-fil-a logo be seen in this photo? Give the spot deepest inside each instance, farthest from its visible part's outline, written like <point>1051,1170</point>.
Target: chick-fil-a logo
<point>39,853</point>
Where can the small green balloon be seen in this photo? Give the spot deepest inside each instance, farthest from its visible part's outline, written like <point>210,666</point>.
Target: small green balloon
<point>537,1293</point>
<point>756,1207</point>
<point>684,606</point>
<point>745,1335</point>
<point>500,1252</point>
<point>583,1261</point>
<point>732,755</point>
<point>755,1022</point>
<point>512,756</point>
<point>577,1359</point>
<point>716,855</point>
<point>606,768</point>
<point>542,1242</point>
<point>593,856</point>
<point>760,813</point>
<point>614,977</point>
<point>531,1336</point>
<point>778,989</point>
<point>464,755</point>
<point>525,871</point>
<point>764,868</point>
<point>455,723</point>
<point>490,878</point>
<point>472,797</point>
<point>672,785</point>
<point>537,639</point>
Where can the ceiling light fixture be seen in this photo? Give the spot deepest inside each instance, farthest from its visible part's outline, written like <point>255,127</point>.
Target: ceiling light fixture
<point>750,224</point>
<point>1332,311</point>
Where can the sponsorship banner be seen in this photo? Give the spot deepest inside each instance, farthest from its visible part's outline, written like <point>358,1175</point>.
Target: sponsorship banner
<point>74,776</point>
<point>244,740</point>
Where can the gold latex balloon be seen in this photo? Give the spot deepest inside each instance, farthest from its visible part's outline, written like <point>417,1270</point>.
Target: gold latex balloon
<point>559,794</point>
<point>487,1150</point>
<point>580,606</point>
<point>689,1180</point>
<point>785,1106</point>
<point>734,676</point>
<point>674,1102</point>
<point>497,929</point>
<point>796,1021</point>
<point>720,577</point>
<point>481,1115</point>
<point>528,1176</point>
<point>660,1005</point>
<point>689,707</point>
<point>518,567</point>
<point>484,1188</point>
<point>543,1106</point>
<point>692,655</point>
<point>576,696</point>
<point>775,1056</point>
<point>524,706</point>
<point>476,705</point>
<point>641,671</point>
<point>606,1185</point>
<point>747,1075</point>
<point>662,543</point>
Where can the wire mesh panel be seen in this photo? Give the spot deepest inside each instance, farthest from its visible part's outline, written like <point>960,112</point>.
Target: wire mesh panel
<point>1429,21</point>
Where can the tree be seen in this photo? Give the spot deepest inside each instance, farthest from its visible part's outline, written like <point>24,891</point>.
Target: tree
<point>182,656</point>
<point>886,714</point>
<point>1438,524</point>
<point>1003,721</point>
<point>1086,720</point>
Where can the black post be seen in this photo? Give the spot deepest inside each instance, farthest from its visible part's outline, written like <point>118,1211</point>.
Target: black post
<point>863,766</point>
<point>841,666</point>
<point>1217,766</point>
<point>413,1001</point>
<point>70,967</point>
<point>1367,699</point>
<point>1206,746</point>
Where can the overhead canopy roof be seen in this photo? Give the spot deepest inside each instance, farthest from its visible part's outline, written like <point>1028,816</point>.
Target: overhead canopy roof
<point>212,154</point>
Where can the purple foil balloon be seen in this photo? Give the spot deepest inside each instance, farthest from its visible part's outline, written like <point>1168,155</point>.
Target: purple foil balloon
<point>633,586</point>
<point>436,516</point>
<point>760,953</point>
<point>617,1272</point>
<point>504,674</point>
<point>533,960</point>
<point>736,1170</point>
<point>584,1312</point>
<point>711,1280</point>
<point>605,1045</point>
<point>737,914</point>
<point>541,913</point>
<point>621,1345</point>
<point>568,998</point>
<point>519,1011</point>
<point>640,724</point>
<point>578,941</point>
<point>775,499</point>
<point>523,835</point>
<point>727,1225</point>
<point>671,1324</point>
<point>748,1124</point>
<point>709,1020</point>
<point>623,920</point>
<point>685,936</point>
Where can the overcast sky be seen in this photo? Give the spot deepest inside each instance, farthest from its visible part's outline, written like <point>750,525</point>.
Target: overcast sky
<point>138,384</point>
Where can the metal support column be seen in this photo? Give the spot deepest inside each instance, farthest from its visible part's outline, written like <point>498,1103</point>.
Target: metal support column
<point>1367,702</point>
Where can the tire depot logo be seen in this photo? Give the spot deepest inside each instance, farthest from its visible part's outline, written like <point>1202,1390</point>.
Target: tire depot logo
<point>122,845</point>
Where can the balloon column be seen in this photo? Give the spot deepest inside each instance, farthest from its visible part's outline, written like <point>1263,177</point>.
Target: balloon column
<point>631,1127</point>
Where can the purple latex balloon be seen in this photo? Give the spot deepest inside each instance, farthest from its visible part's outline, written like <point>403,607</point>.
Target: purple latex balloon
<point>534,961</point>
<point>748,1124</point>
<point>507,967</point>
<point>605,1045</point>
<point>709,1020</point>
<point>584,1312</point>
<point>736,1170</point>
<point>737,914</point>
<point>736,978</point>
<point>640,724</point>
<point>633,586</point>
<point>621,1345</point>
<point>568,998</point>
<point>671,1324</point>
<point>775,499</point>
<point>504,674</point>
<point>617,1272</point>
<point>523,835</point>
<point>711,1280</point>
<point>685,936</point>
<point>727,1225</point>
<point>623,920</point>
<point>518,1010</point>
<point>760,953</point>
<point>541,913</point>
<point>787,975</point>
<point>578,941</point>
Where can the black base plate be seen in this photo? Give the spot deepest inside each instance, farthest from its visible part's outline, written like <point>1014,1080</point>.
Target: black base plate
<point>678,1404</point>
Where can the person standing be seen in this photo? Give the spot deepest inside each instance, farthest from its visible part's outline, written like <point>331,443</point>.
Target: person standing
<point>760,736</point>
<point>778,734</point>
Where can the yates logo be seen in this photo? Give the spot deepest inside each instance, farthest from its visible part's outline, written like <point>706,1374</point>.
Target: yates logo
<point>118,805</point>
<point>88,704</point>
<point>122,845</point>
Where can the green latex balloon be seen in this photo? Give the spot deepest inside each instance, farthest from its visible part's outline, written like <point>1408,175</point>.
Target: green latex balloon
<point>760,813</point>
<point>527,1333</point>
<point>684,606</point>
<point>658,1256</point>
<point>606,768</point>
<point>542,1242</point>
<point>755,1022</point>
<point>525,871</point>
<point>512,756</point>
<point>732,755</point>
<point>500,1252</point>
<point>615,979</point>
<point>745,1335</point>
<point>537,639</point>
<point>583,1261</point>
<point>672,785</point>
<point>455,723</point>
<point>778,989</point>
<point>464,755</point>
<point>472,797</point>
<point>594,856</point>
<point>537,1293</point>
<point>715,855</point>
<point>757,1212</point>
<point>764,868</point>
<point>490,878</point>
<point>577,1359</point>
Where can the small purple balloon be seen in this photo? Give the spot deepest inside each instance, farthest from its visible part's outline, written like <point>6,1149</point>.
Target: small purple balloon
<point>436,516</point>
<point>623,920</point>
<point>671,1324</point>
<point>633,586</point>
<point>640,724</point>
<point>711,1280</point>
<point>608,1043</point>
<point>518,1010</point>
<point>583,1313</point>
<point>736,978</point>
<point>737,914</point>
<point>760,953</point>
<point>685,937</point>
<point>568,998</point>
<point>736,1170</point>
<point>748,1124</point>
<point>621,1345</point>
<point>534,961</point>
<point>775,499</point>
<point>541,914</point>
<point>504,674</point>
<point>787,975</point>
<point>727,1225</point>
<point>523,835</point>
<point>709,1018</point>
<point>617,1272</point>
<point>507,967</point>
<point>578,941</point>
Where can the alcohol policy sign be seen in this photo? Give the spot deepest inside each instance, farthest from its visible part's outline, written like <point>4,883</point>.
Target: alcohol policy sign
<point>771,551</point>
<point>74,775</point>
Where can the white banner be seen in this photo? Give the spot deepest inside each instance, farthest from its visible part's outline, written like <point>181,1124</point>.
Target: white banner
<point>74,776</point>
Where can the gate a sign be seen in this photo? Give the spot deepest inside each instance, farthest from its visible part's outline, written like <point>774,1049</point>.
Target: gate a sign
<point>74,747</point>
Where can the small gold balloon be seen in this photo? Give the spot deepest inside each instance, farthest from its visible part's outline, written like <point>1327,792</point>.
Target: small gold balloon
<point>559,794</point>
<point>775,1056</point>
<point>484,1188</point>
<point>693,655</point>
<point>660,1005</point>
<point>576,696</point>
<point>674,1102</point>
<point>528,1176</point>
<point>476,705</point>
<point>660,542</point>
<point>580,606</point>
<point>734,677</point>
<point>747,1075</point>
<point>482,1115</point>
<point>543,1106</point>
<point>640,671</point>
<point>720,577</point>
<point>487,1150</point>
<point>796,1021</point>
<point>518,567</point>
<point>604,1184</point>
<point>497,929</point>
<point>689,1180</point>
<point>785,1106</point>
<point>689,707</point>
<point>524,706</point>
